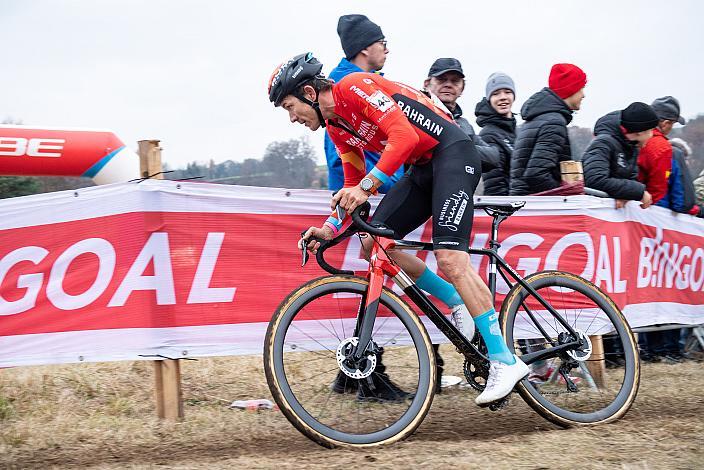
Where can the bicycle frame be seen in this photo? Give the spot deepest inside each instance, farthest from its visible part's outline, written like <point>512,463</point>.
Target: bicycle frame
<point>380,264</point>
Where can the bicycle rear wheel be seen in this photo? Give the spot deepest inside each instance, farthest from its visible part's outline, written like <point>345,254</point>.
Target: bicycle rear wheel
<point>583,386</point>
<point>304,355</point>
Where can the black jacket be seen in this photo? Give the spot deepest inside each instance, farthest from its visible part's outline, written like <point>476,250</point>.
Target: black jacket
<point>610,162</point>
<point>541,144</point>
<point>499,132</point>
<point>488,153</point>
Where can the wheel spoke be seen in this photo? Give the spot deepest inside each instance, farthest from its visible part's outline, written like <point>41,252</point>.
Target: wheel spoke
<point>321,399</point>
<point>609,390</point>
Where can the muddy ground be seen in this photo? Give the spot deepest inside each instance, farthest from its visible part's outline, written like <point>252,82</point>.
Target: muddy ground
<point>102,416</point>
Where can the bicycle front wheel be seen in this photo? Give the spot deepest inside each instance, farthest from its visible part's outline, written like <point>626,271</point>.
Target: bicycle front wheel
<point>304,362</point>
<point>596,383</point>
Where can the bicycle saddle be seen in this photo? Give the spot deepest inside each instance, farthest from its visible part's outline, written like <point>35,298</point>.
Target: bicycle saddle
<point>506,207</point>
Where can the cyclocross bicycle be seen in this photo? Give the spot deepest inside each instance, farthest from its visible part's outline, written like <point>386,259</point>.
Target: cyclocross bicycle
<point>552,320</point>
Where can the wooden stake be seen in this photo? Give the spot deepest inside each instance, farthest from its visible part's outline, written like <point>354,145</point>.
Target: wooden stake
<point>169,400</point>
<point>167,373</point>
<point>596,363</point>
<point>150,159</point>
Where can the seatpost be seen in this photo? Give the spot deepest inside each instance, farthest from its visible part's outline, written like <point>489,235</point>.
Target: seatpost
<point>494,245</point>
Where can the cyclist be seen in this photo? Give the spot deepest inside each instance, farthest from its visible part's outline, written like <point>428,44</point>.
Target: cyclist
<point>368,112</point>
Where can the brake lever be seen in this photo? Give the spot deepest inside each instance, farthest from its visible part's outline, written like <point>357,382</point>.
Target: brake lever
<point>304,250</point>
<point>340,212</point>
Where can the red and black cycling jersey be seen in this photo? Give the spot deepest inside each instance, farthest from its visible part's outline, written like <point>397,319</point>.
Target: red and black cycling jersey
<point>386,117</point>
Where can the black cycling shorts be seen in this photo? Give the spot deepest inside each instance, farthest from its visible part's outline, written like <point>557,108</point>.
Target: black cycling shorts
<point>442,188</point>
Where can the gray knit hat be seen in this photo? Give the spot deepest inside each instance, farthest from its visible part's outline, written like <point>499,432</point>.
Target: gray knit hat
<point>497,81</point>
<point>668,108</point>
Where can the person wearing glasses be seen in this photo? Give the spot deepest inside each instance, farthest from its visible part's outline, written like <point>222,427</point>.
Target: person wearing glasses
<point>365,111</point>
<point>365,50</point>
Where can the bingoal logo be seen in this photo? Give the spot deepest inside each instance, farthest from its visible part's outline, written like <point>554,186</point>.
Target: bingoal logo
<point>36,147</point>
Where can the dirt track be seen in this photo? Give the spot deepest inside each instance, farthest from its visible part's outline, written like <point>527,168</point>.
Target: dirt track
<point>101,415</point>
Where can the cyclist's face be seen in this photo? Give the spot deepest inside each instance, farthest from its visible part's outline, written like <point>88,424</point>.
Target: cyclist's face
<point>300,112</point>
<point>448,87</point>
<point>502,100</point>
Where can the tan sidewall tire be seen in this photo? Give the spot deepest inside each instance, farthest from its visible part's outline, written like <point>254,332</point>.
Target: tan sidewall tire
<point>274,386</point>
<point>512,297</point>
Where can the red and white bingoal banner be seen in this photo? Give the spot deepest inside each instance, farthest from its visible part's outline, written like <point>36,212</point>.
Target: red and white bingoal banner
<point>177,269</point>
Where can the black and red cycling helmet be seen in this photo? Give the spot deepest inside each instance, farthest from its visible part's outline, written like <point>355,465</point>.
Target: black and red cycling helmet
<point>290,76</point>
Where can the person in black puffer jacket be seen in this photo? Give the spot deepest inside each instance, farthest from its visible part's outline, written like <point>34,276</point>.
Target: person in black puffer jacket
<point>542,142</point>
<point>498,125</point>
<point>610,160</point>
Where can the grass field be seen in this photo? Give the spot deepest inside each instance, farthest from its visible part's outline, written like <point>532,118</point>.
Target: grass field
<point>102,416</point>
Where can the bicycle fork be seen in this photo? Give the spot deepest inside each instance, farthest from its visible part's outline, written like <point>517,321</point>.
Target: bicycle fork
<point>379,264</point>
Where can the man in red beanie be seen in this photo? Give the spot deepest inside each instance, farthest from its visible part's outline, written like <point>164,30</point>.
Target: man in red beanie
<point>542,142</point>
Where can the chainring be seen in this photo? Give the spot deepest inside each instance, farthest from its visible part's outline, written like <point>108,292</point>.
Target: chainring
<point>476,367</point>
<point>476,373</point>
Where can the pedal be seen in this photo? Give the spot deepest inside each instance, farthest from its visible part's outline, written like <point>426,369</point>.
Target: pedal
<point>499,404</point>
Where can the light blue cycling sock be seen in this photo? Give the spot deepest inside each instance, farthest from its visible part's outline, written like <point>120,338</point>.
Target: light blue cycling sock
<point>439,287</point>
<point>488,324</point>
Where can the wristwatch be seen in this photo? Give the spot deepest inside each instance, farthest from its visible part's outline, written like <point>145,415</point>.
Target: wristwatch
<point>367,184</point>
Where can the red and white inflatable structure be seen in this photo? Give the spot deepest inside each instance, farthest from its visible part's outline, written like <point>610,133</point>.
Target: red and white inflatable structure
<point>48,151</point>
<point>134,270</point>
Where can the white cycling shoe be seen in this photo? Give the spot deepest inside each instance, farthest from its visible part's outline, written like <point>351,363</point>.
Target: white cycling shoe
<point>502,378</point>
<point>463,321</point>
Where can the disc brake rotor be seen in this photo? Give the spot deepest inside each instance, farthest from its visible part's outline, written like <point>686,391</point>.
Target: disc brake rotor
<point>360,370</point>
<point>583,353</point>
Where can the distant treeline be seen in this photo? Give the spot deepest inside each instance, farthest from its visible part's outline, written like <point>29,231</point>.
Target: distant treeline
<point>292,164</point>
<point>289,164</point>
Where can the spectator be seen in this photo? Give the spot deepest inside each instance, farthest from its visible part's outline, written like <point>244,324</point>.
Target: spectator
<point>699,188</point>
<point>498,125</point>
<point>610,160</point>
<point>662,166</point>
<point>681,193</point>
<point>665,177</point>
<point>699,181</point>
<point>655,160</point>
<point>446,83</point>
<point>654,168</point>
<point>542,142</point>
<point>365,50</point>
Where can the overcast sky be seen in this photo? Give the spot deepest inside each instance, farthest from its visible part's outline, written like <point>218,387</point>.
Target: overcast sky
<point>194,73</point>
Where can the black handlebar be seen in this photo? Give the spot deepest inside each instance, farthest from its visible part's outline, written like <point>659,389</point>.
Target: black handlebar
<point>324,245</point>
<point>359,219</point>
